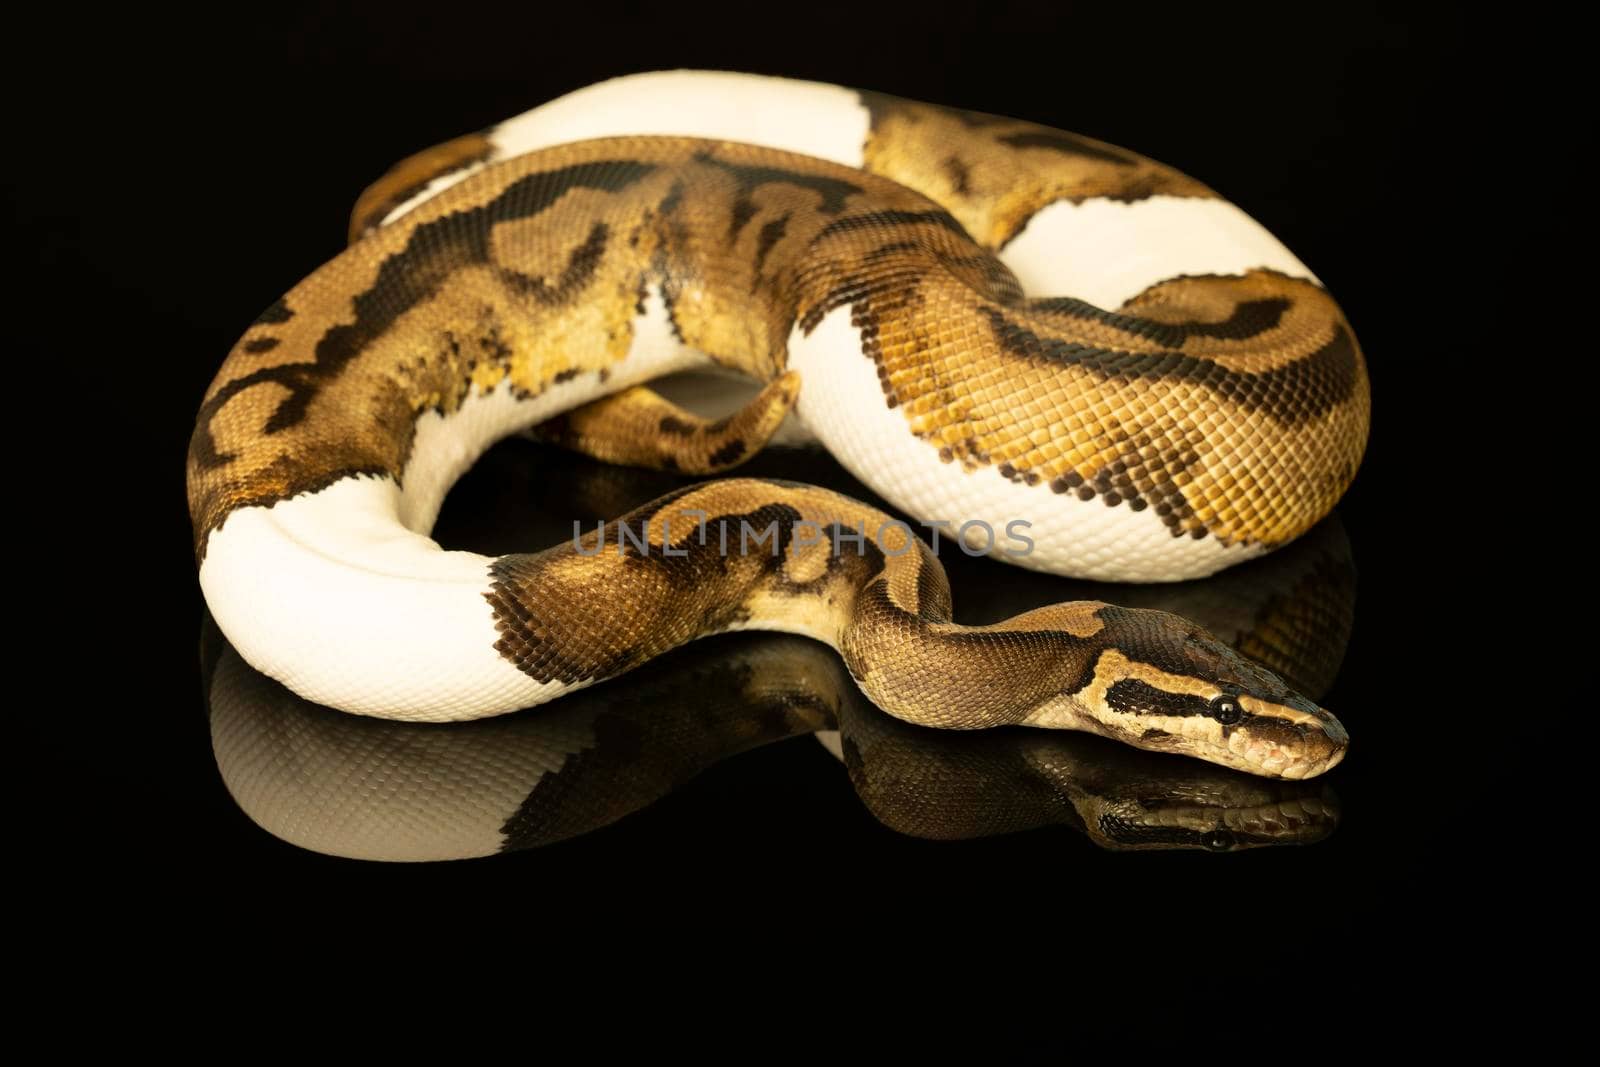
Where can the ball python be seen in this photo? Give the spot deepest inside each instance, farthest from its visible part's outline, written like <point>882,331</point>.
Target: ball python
<point>1196,400</point>
<point>372,789</point>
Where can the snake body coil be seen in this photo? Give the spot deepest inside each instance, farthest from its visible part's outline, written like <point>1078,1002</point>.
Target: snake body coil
<point>512,278</point>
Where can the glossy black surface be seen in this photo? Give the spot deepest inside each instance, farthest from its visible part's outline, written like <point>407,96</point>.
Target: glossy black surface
<point>191,182</point>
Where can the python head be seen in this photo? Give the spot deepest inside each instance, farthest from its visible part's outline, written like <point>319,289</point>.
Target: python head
<point>1161,683</point>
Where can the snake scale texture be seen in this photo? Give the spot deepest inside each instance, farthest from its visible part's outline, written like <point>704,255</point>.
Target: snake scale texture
<point>1189,397</point>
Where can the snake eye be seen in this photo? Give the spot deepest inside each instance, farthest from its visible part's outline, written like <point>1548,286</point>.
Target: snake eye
<point>1226,710</point>
<point>1218,840</point>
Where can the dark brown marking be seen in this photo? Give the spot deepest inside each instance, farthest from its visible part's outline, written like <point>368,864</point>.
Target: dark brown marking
<point>433,252</point>
<point>277,312</point>
<point>893,248</point>
<point>881,105</point>
<point>750,178</point>
<point>871,219</point>
<point>1250,318</point>
<point>1068,144</point>
<point>1134,697</point>
<point>728,453</point>
<point>670,202</point>
<point>975,120</point>
<point>1306,388</point>
<point>581,266</point>
<point>771,234</point>
<point>744,209</point>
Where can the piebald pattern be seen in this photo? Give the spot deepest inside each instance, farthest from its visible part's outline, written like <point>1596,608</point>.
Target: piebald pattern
<point>365,788</point>
<point>1208,418</point>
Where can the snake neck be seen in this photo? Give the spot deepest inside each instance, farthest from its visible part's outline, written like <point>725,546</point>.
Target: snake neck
<point>921,667</point>
<point>751,554</point>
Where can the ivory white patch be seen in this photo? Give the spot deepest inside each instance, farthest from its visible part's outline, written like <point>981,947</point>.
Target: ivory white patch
<point>813,119</point>
<point>1106,251</point>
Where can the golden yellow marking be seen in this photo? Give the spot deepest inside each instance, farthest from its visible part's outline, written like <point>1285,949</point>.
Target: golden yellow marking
<point>408,177</point>
<point>993,188</point>
<point>1283,712</point>
<point>1079,618</point>
<point>640,428</point>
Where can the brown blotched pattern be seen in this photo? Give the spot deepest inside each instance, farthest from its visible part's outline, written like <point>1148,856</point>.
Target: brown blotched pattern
<point>1232,406</point>
<point>720,556</point>
<point>995,173</point>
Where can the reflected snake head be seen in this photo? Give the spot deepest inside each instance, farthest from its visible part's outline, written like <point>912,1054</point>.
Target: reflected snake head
<point>1135,801</point>
<point>1161,683</point>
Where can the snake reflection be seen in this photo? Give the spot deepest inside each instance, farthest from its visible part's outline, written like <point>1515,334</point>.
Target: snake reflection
<point>373,789</point>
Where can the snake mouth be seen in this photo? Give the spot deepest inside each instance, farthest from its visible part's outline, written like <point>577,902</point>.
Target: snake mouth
<point>1290,737</point>
<point>1260,746</point>
<point>1309,754</point>
<point>1292,820</point>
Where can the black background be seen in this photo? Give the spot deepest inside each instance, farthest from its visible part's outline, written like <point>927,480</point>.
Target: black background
<point>202,164</point>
